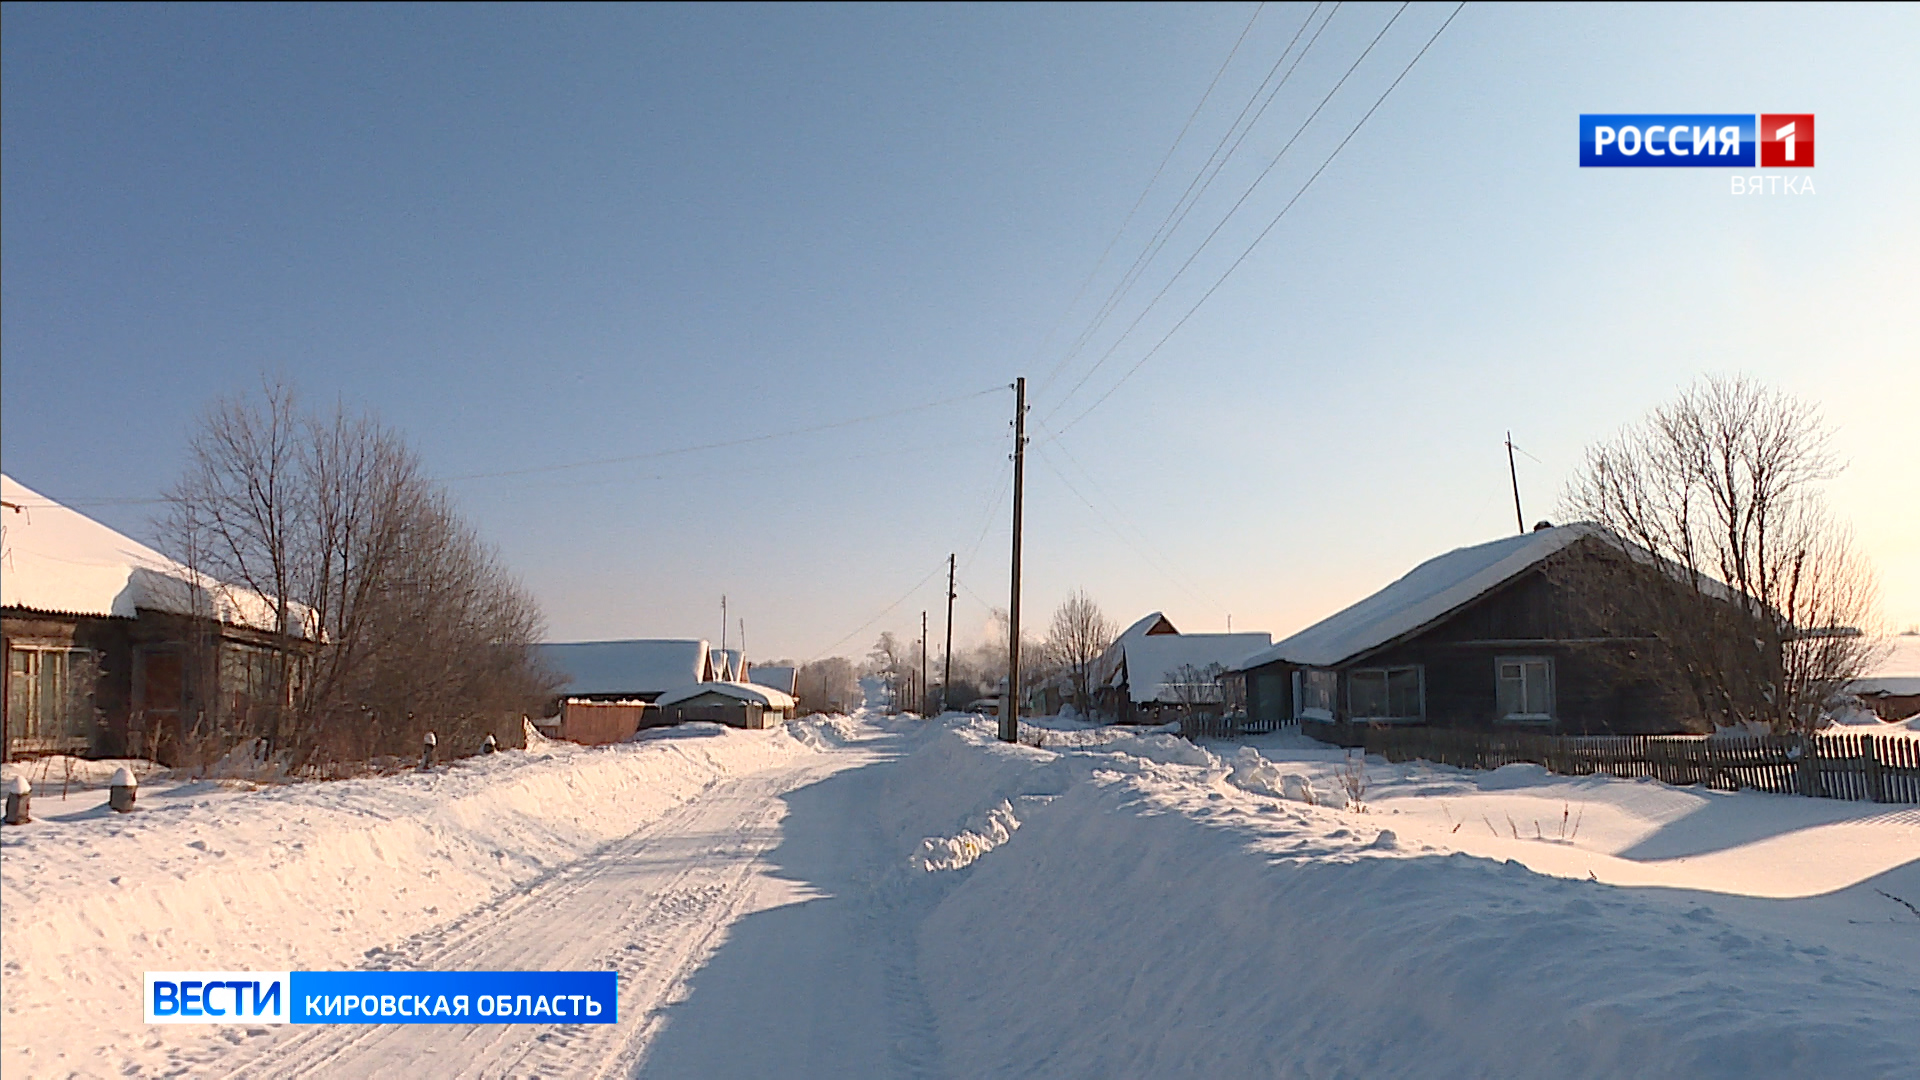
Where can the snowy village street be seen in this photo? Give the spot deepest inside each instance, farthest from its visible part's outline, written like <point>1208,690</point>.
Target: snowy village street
<point>892,897</point>
<point>654,906</point>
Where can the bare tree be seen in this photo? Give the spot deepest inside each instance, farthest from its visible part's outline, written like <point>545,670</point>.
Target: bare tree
<point>1197,688</point>
<point>387,616</point>
<point>1035,666</point>
<point>827,686</point>
<point>1079,634</point>
<point>1755,591</point>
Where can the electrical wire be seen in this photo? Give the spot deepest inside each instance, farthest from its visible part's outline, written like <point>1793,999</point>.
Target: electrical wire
<point>1270,225</point>
<point>749,440</point>
<point>1202,181</point>
<point>1101,263</point>
<point>883,612</point>
<point>1238,203</point>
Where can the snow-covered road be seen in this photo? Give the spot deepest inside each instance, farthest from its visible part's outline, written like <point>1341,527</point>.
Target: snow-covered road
<point>653,906</point>
<point>896,898</point>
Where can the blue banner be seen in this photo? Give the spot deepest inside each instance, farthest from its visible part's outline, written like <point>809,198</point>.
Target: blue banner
<point>1667,140</point>
<point>454,997</point>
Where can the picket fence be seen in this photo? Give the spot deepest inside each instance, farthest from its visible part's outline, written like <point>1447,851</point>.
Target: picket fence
<point>1862,767</point>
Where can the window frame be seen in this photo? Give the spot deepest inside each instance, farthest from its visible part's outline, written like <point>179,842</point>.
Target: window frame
<point>72,722</point>
<point>1552,690</point>
<point>1301,677</point>
<point>1386,676</point>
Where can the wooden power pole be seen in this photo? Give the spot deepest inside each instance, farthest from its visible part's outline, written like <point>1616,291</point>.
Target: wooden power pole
<point>923,666</point>
<point>1519,519</point>
<point>946,673</point>
<point>1010,704</point>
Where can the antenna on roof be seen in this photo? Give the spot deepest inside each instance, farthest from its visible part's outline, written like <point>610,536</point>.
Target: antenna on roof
<point>1519,519</point>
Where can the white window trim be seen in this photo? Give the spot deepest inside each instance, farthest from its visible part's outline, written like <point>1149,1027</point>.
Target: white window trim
<point>1553,701</point>
<point>1419,669</point>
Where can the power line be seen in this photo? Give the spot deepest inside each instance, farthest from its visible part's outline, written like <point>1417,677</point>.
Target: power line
<point>1203,181</point>
<point>1270,225</point>
<point>883,611</point>
<point>1159,562</point>
<point>567,466</point>
<point>1238,203</point>
<point>1101,263</point>
<point>890,414</point>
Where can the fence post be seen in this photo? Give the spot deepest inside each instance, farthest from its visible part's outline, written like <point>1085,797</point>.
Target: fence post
<point>1870,767</point>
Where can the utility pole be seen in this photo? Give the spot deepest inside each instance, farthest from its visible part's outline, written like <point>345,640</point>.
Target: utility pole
<point>1519,519</point>
<point>1010,704</point>
<point>741,674</point>
<point>923,665</point>
<point>946,673</point>
<point>723,622</point>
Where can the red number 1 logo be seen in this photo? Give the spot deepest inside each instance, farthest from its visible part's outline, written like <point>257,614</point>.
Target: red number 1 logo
<point>1786,140</point>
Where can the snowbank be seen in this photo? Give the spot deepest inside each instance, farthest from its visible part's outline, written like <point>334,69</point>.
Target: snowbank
<point>1129,912</point>
<point>310,876</point>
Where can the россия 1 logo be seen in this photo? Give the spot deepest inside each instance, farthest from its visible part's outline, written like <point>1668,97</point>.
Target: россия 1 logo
<point>1696,140</point>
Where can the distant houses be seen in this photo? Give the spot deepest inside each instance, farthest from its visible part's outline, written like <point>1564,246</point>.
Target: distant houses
<point>1152,672</point>
<point>781,677</point>
<point>634,670</point>
<point>611,689</point>
<point>1507,634</point>
<point>113,649</point>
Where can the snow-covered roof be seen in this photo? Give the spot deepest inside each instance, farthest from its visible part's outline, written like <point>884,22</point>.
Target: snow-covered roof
<point>57,560</point>
<point>1433,589</point>
<point>777,676</point>
<point>645,666</point>
<point>1151,658</point>
<point>727,663</point>
<point>1107,665</point>
<point>762,695</point>
<point>1903,657</point>
<point>1894,685</point>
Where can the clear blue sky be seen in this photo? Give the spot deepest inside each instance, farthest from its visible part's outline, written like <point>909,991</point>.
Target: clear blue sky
<point>531,237</point>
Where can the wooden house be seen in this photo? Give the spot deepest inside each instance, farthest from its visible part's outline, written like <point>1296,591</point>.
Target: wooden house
<point>1511,633</point>
<point>115,650</point>
<point>781,677</point>
<point>1152,673</point>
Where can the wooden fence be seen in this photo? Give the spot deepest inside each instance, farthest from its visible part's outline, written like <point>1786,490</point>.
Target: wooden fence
<point>1209,726</point>
<point>1872,768</point>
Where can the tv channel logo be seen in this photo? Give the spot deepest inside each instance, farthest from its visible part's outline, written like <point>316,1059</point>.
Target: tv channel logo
<point>1696,140</point>
<point>382,997</point>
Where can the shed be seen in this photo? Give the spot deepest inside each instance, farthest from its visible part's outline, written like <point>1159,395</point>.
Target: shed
<point>741,705</point>
<point>597,723</point>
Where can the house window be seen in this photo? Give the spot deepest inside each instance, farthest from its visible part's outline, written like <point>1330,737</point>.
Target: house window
<point>50,695</point>
<point>1313,694</point>
<point>1525,687</point>
<point>1395,693</point>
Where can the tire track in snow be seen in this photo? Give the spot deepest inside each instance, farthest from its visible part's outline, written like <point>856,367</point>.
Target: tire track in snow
<point>652,906</point>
